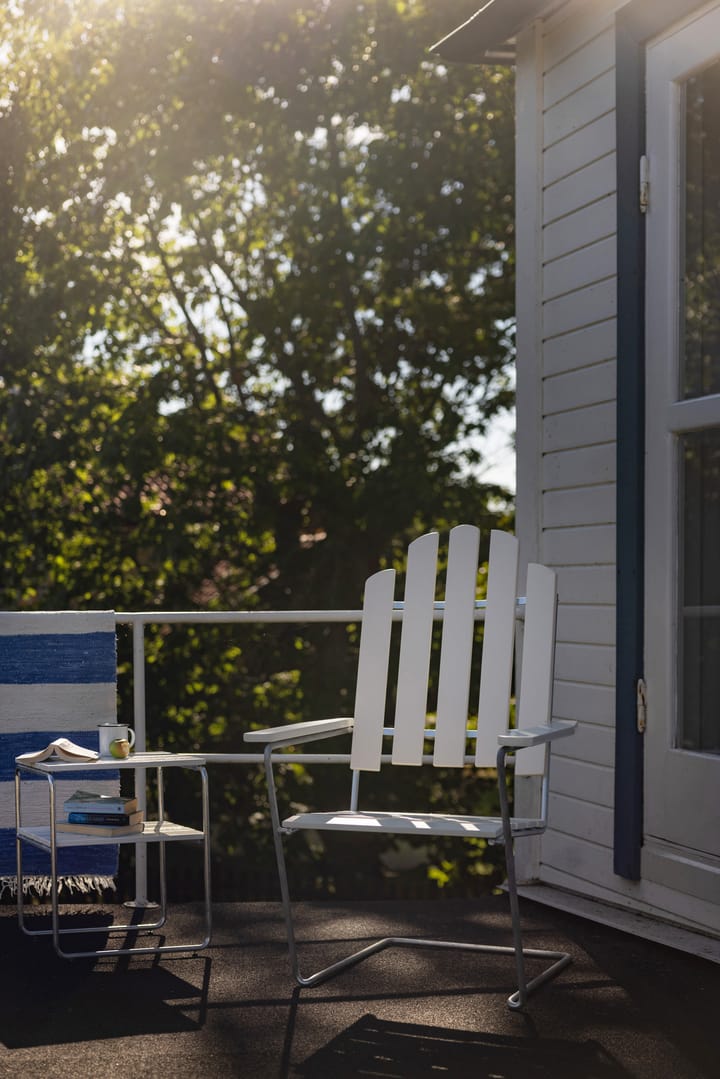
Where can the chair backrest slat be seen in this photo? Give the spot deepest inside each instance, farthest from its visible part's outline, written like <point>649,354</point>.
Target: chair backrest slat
<point>415,650</point>
<point>372,674</point>
<point>456,647</point>
<point>538,653</point>
<point>498,647</point>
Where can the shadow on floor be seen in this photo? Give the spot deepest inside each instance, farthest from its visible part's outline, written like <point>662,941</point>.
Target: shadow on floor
<point>53,1001</point>
<point>389,1050</point>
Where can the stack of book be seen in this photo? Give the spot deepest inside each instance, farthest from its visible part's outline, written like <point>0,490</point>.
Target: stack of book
<point>93,813</point>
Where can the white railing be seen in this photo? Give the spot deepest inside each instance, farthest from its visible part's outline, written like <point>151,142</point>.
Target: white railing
<point>137,620</point>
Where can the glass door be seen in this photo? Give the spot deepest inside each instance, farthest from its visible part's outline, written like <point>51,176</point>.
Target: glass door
<point>682,512</point>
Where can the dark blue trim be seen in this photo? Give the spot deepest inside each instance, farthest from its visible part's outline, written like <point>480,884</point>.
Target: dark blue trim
<point>30,659</point>
<point>635,24</point>
<point>630,134</point>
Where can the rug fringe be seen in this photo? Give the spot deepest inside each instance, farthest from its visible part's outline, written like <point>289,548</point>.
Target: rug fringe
<point>41,886</point>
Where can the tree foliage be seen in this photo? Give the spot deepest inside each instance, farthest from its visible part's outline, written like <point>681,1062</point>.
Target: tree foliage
<point>255,315</point>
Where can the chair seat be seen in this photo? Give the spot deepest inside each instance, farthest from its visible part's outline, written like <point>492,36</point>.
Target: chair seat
<point>409,824</point>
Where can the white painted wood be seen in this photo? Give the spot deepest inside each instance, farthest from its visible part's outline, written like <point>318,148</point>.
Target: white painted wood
<point>415,648</point>
<point>585,545</point>
<point>577,229</point>
<point>576,389</point>
<point>529,737</point>
<point>572,863</point>
<point>590,183</point>
<point>591,744</point>
<point>372,674</point>
<point>153,832</point>
<point>640,921</point>
<point>681,869</point>
<point>528,339</point>
<point>586,624</point>
<point>580,268</point>
<point>579,468</point>
<point>586,663</point>
<point>580,506</point>
<point>580,427</point>
<point>417,824</point>
<point>593,783</point>
<point>681,804</point>
<point>583,701</point>
<point>298,731</point>
<point>456,646</point>
<point>573,72</point>
<point>572,28</point>
<point>582,148</point>
<point>593,303</point>
<point>574,351</point>
<point>581,108</point>
<point>586,584</point>
<point>498,647</point>
<point>695,414</point>
<point>577,507</point>
<point>528,278</point>
<point>587,821</point>
<point>536,677</point>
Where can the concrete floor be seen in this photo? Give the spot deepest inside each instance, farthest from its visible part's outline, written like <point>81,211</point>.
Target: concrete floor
<point>625,1007</point>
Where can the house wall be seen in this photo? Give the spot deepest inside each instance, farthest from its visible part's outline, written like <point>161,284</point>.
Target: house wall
<point>567,460</point>
<point>566,407</point>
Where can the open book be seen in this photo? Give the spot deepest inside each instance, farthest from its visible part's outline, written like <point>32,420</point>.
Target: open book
<point>61,748</point>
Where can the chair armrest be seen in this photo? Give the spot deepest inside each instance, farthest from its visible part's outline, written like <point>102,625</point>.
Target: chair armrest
<point>294,733</point>
<point>535,736</point>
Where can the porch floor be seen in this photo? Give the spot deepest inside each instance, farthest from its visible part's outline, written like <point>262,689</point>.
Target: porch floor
<point>626,1007</point>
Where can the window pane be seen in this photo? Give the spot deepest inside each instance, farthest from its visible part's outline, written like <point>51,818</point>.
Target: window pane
<point>699,652</point>
<point>700,302</point>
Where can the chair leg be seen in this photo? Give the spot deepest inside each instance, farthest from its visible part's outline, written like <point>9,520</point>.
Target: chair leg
<point>515,1001</point>
<point>561,959</point>
<point>341,964</point>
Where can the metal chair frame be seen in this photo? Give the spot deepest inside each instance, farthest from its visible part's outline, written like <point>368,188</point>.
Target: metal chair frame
<point>508,742</point>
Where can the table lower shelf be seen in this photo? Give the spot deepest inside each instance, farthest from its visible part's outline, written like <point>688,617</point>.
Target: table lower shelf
<point>153,832</point>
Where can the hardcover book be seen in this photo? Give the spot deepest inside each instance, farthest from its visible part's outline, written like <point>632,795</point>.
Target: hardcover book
<point>83,801</point>
<point>99,829</point>
<point>105,818</point>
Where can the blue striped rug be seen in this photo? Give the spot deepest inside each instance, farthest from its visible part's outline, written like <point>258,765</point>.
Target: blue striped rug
<point>58,676</point>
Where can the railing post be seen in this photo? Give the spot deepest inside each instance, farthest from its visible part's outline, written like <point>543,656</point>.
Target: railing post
<point>141,851</point>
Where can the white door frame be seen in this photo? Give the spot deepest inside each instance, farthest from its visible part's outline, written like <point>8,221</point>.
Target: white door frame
<point>682,806</point>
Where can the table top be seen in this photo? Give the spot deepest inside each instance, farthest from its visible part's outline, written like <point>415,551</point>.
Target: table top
<point>160,759</point>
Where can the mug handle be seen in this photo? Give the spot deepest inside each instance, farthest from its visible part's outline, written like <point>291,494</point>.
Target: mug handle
<point>131,737</point>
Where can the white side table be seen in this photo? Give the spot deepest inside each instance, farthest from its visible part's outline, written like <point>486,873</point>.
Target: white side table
<point>160,831</point>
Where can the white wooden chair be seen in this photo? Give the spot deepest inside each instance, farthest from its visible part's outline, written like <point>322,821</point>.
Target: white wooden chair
<point>449,736</point>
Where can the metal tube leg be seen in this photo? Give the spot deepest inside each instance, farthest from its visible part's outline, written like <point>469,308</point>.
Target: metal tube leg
<point>518,999</point>
<point>53,870</point>
<point>206,851</point>
<point>280,859</point>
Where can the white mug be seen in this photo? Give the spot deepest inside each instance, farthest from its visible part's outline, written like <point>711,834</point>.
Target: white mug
<point>112,732</point>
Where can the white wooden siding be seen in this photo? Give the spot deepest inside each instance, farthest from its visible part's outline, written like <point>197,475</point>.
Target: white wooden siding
<point>575,389</point>
<point>579,506</point>
<point>592,783</point>
<point>578,292</point>
<point>580,188</point>
<point>580,268</point>
<point>584,866</point>
<point>575,231</point>
<point>575,351</point>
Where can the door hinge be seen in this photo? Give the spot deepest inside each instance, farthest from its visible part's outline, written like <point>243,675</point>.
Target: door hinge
<point>641,694</point>
<point>644,185</point>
